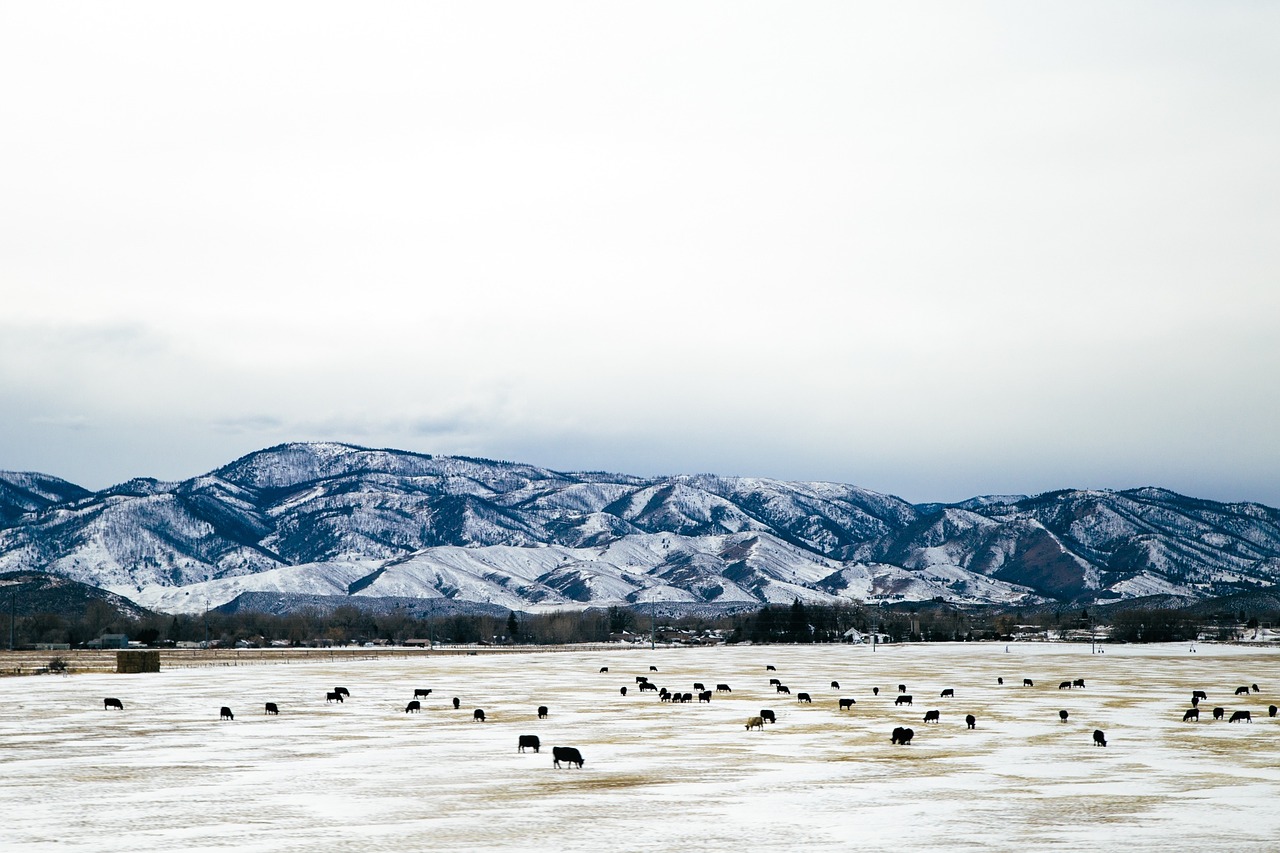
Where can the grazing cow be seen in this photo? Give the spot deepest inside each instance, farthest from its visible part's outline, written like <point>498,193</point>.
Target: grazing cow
<point>664,695</point>
<point>1240,690</point>
<point>413,707</point>
<point>1255,689</point>
<point>902,688</point>
<point>1099,739</point>
<point>902,736</point>
<point>641,679</point>
<point>803,697</point>
<point>530,741</point>
<point>971,721</point>
<point>272,708</point>
<point>604,669</point>
<point>1079,682</point>
<point>932,717</point>
<point>698,685</point>
<point>1195,701</point>
<point>1062,715</point>
<point>723,688</point>
<point>225,714</point>
<point>835,685</point>
<point>542,712</point>
<point>755,723</point>
<point>773,682</point>
<point>704,696</point>
<point>457,703</point>
<point>110,702</point>
<point>1218,712</point>
<point>1191,714</point>
<point>782,688</point>
<point>1271,711</point>
<point>623,690</point>
<point>686,697</point>
<point>477,715</point>
<point>568,754</point>
<point>1199,694</point>
<point>904,699</point>
<point>768,716</point>
<point>948,692</point>
<point>344,691</point>
<point>653,669</point>
<point>332,697</point>
<point>1027,682</point>
<point>875,691</point>
<point>648,685</point>
<point>999,680</point>
<point>1237,716</point>
<point>770,668</point>
<point>1066,685</point>
<point>846,704</point>
<point>421,694</point>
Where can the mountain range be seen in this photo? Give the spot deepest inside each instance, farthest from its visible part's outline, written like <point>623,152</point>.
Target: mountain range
<point>298,524</point>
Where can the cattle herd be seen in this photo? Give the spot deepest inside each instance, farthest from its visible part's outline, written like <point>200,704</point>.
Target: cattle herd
<point>900,735</point>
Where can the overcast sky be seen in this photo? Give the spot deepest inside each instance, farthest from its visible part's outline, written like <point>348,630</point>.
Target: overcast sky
<point>933,249</point>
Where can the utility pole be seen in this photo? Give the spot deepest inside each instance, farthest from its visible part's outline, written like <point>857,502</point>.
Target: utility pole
<point>13,615</point>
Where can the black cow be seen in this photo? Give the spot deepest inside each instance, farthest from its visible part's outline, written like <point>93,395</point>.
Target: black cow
<point>1271,711</point>
<point>875,691</point>
<point>457,703</point>
<point>704,696</point>
<point>698,685</point>
<point>477,715</point>
<point>999,680</point>
<point>1195,701</point>
<point>226,714</point>
<point>768,716</point>
<point>782,688</point>
<point>846,704</point>
<point>664,695</point>
<point>904,699</point>
<point>803,697</point>
<point>1062,715</point>
<point>971,721</point>
<point>542,712</point>
<point>1240,690</point>
<point>902,688</point>
<point>1218,712</point>
<point>686,697</point>
<point>902,736</point>
<point>770,668</point>
<point>932,717</point>
<point>604,669</point>
<point>415,706</point>
<point>421,694</point>
<point>272,709</point>
<point>110,702</point>
<point>1027,682</point>
<point>1066,685</point>
<point>1191,714</point>
<point>948,692</point>
<point>1255,689</point>
<point>648,685</point>
<point>332,697</point>
<point>1079,682</point>
<point>641,679</point>
<point>773,682</point>
<point>1099,739</point>
<point>1199,694</point>
<point>835,685</point>
<point>567,754</point>
<point>344,691</point>
<point>653,669</point>
<point>723,688</point>
<point>530,741</point>
<point>1240,715</point>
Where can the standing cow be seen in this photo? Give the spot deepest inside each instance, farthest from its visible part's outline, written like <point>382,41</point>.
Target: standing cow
<point>530,741</point>
<point>971,721</point>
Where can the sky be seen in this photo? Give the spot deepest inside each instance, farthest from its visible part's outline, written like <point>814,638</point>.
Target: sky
<point>934,249</point>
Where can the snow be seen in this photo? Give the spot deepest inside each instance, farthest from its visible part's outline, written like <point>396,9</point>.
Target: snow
<point>166,774</point>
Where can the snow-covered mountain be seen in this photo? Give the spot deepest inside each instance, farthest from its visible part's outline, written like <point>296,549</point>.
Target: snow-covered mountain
<point>339,520</point>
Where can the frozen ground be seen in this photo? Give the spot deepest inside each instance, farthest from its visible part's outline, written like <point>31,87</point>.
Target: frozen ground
<point>166,774</point>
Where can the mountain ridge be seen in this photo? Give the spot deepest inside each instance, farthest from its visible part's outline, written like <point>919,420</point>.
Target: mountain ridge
<point>332,518</point>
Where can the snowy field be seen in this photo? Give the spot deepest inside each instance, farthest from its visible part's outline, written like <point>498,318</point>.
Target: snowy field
<point>166,774</point>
